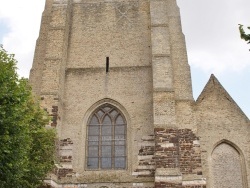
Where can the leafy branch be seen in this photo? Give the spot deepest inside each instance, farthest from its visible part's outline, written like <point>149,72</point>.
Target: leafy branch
<point>243,34</point>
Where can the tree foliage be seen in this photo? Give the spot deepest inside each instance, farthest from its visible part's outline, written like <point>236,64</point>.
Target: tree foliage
<point>243,34</point>
<point>26,146</point>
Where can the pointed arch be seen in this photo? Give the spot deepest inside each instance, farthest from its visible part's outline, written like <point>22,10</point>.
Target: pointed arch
<point>107,140</point>
<point>107,101</point>
<point>227,166</point>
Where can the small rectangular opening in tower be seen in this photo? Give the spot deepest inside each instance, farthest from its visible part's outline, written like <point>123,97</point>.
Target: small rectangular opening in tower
<point>107,64</point>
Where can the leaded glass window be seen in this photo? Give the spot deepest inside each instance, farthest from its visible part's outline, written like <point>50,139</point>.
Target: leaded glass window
<point>106,139</point>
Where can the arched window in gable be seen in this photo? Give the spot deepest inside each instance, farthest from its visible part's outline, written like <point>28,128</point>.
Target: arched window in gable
<point>226,167</point>
<point>107,130</point>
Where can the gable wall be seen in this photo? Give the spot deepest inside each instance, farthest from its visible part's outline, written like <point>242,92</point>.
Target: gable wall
<point>220,119</point>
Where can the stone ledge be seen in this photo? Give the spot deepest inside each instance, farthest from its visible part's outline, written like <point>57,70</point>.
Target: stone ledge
<point>168,172</point>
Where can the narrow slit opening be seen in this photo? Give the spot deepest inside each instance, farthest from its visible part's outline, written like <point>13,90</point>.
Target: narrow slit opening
<point>107,64</point>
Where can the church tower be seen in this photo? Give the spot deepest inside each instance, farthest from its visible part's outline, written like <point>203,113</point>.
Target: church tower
<point>114,76</point>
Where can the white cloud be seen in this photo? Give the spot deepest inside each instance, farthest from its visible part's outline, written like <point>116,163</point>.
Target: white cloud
<point>219,61</point>
<point>212,35</point>
<point>22,19</point>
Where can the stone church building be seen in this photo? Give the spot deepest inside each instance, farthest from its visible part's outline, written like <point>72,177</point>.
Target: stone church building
<point>114,77</point>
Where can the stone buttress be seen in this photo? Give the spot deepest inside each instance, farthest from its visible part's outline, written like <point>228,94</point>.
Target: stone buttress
<point>130,55</point>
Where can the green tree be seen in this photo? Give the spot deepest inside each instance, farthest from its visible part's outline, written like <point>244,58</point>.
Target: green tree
<point>26,146</point>
<point>243,34</point>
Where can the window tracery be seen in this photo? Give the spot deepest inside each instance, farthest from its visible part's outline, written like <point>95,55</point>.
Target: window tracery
<point>106,139</point>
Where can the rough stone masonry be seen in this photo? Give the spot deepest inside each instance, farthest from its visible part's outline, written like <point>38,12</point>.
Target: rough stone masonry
<point>114,77</point>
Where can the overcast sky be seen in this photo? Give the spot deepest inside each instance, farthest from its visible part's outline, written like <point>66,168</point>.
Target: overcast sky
<point>210,27</point>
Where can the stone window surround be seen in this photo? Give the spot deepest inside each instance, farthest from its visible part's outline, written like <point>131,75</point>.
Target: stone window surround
<point>106,131</point>
<point>126,115</point>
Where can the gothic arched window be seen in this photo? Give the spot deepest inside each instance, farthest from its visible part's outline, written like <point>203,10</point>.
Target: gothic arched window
<point>106,139</point>
<point>226,167</point>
